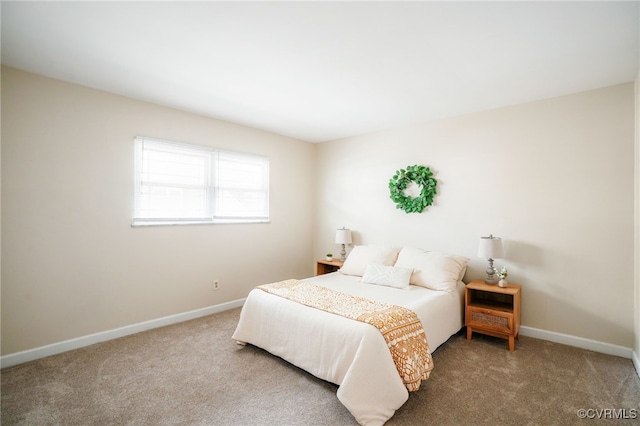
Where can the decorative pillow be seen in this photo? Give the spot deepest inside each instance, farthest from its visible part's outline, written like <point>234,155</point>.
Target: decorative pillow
<point>361,256</point>
<point>391,276</point>
<point>434,270</point>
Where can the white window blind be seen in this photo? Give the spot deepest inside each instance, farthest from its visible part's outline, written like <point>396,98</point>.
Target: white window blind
<point>180,183</point>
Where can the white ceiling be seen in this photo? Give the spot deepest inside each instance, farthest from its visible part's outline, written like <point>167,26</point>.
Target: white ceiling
<point>319,71</point>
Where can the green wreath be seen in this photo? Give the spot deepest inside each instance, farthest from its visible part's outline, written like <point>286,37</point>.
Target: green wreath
<point>423,177</point>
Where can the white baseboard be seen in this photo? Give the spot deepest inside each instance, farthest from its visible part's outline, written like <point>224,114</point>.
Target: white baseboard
<point>80,342</point>
<point>579,342</point>
<point>636,361</point>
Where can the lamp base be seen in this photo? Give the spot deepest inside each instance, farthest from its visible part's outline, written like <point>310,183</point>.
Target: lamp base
<point>491,273</point>
<point>343,253</point>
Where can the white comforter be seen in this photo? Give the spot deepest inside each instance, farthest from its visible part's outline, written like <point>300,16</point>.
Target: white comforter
<point>348,353</point>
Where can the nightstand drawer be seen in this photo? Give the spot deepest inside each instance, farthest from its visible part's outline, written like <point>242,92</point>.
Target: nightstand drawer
<point>490,319</point>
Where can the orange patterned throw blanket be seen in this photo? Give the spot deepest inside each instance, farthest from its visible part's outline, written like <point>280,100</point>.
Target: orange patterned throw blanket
<point>400,326</point>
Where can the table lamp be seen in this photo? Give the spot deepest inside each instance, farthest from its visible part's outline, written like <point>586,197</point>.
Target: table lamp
<point>490,248</point>
<point>343,237</point>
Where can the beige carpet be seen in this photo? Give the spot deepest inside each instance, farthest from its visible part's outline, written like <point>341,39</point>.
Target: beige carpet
<point>194,374</point>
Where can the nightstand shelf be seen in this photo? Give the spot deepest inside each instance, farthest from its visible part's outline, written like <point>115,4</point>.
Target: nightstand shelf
<point>327,266</point>
<point>493,310</point>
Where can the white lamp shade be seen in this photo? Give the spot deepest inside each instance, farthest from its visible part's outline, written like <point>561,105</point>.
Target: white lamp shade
<point>343,236</point>
<point>490,247</point>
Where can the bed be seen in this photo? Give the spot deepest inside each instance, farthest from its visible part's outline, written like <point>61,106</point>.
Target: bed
<point>353,354</point>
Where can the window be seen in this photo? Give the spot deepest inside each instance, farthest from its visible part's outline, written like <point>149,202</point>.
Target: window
<point>179,183</point>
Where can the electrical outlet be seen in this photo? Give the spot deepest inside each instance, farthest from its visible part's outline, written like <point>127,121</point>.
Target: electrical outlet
<point>216,285</point>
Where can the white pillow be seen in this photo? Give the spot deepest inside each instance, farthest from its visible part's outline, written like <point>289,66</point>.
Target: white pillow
<point>391,276</point>
<point>434,270</point>
<point>361,256</point>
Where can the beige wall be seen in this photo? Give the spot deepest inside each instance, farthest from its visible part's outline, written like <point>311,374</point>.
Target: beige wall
<point>72,265</point>
<point>554,179</point>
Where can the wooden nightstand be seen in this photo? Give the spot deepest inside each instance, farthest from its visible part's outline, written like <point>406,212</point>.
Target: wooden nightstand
<point>326,266</point>
<point>492,310</point>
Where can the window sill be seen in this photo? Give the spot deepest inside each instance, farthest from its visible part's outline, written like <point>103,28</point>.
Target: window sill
<point>206,222</point>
